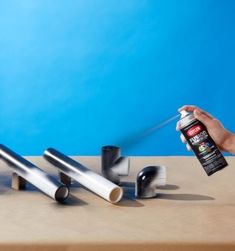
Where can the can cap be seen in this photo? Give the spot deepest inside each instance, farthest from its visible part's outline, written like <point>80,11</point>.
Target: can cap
<point>186,118</point>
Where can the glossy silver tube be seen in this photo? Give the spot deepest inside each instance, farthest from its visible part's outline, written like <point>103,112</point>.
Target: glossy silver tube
<point>34,175</point>
<point>89,179</point>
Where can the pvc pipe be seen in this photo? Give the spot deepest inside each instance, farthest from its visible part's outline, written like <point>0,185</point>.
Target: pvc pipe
<point>34,175</point>
<point>89,179</point>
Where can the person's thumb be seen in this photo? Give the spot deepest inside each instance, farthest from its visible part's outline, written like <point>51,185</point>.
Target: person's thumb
<point>202,117</point>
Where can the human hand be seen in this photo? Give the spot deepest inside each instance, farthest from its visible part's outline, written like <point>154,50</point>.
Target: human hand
<point>224,139</point>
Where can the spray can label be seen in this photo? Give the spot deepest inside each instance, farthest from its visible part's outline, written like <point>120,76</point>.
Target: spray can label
<point>204,147</point>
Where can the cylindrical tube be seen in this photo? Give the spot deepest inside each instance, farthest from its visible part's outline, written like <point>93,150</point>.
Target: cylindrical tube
<point>34,175</point>
<point>202,144</point>
<point>89,179</point>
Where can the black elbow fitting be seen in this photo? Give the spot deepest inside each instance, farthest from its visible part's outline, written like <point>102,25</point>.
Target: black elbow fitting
<point>147,181</point>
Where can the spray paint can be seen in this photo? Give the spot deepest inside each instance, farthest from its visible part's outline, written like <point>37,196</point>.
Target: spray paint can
<point>204,147</point>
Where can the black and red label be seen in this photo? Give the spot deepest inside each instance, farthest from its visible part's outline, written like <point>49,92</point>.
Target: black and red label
<point>204,147</point>
<point>192,131</point>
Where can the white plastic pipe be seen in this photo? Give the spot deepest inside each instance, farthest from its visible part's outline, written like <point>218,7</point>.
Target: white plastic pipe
<point>89,179</point>
<point>34,175</point>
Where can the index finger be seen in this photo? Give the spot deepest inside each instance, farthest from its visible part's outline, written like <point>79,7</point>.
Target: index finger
<point>192,108</point>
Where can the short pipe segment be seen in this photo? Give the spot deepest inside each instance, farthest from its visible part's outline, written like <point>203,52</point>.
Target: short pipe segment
<point>83,175</point>
<point>34,175</point>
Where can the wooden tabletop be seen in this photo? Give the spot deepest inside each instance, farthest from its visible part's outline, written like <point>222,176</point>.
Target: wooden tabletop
<point>193,212</point>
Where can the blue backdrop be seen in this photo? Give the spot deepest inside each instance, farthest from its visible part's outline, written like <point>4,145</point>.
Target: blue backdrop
<point>80,74</point>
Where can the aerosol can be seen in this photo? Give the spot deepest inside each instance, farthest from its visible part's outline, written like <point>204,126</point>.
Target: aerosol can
<point>202,144</point>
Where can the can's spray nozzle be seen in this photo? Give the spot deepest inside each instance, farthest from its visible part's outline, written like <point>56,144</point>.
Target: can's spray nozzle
<point>184,113</point>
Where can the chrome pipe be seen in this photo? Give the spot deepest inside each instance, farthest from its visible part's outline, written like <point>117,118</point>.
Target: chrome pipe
<point>86,177</point>
<point>34,175</point>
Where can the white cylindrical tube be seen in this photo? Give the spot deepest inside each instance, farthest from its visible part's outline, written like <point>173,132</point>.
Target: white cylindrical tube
<point>34,175</point>
<point>89,179</point>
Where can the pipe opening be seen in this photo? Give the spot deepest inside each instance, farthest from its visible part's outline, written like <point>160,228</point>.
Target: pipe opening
<point>62,193</point>
<point>110,148</point>
<point>116,195</point>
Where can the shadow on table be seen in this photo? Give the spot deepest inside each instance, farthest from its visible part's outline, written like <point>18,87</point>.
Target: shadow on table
<point>169,187</point>
<point>129,199</point>
<point>5,183</point>
<point>129,194</point>
<point>184,197</point>
<point>72,201</point>
<point>129,202</point>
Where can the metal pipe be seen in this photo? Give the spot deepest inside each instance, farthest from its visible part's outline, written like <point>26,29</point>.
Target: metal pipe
<point>89,179</point>
<point>34,175</point>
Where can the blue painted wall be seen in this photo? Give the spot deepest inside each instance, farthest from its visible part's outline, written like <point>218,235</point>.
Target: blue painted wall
<point>80,74</point>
